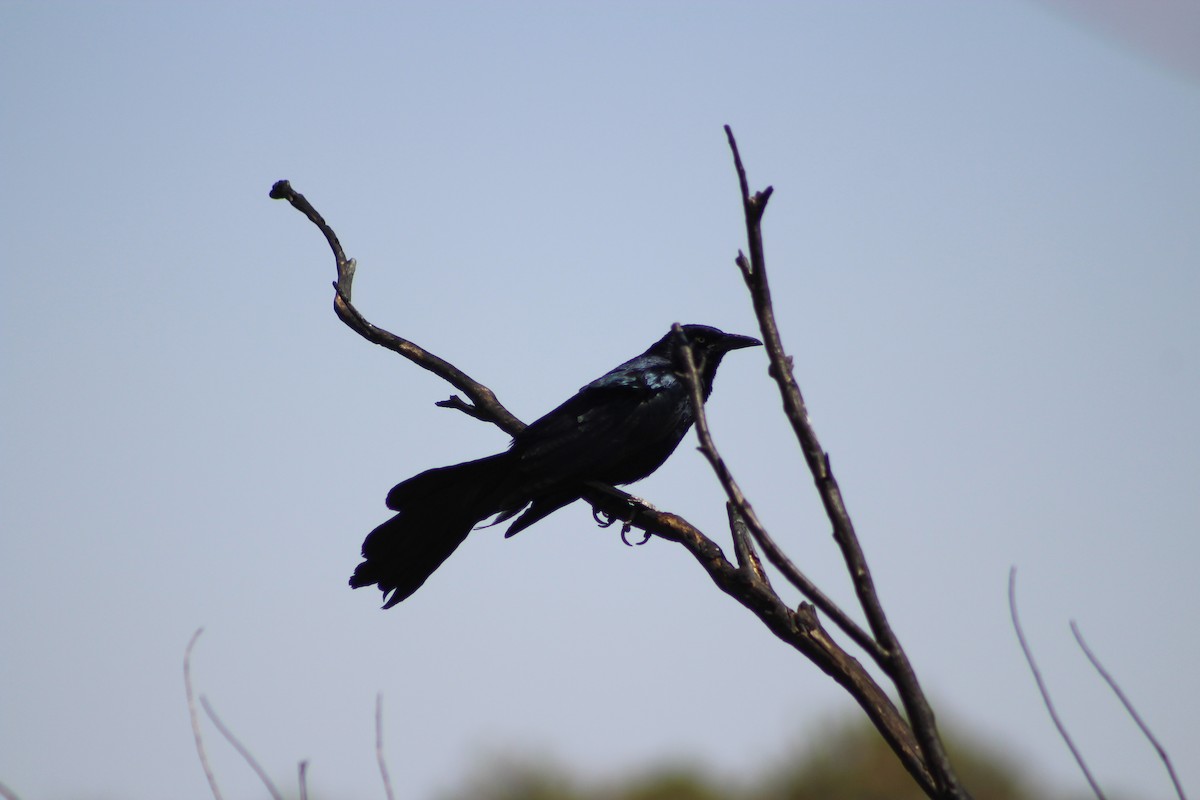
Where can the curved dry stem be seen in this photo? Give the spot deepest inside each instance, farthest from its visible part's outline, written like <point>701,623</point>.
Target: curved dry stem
<point>303,779</point>
<point>1041,684</point>
<point>241,749</point>
<point>1129,707</point>
<point>379,758</point>
<point>195,716</point>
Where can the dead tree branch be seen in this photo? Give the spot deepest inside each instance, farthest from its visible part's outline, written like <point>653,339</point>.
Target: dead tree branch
<point>486,407</point>
<point>918,747</point>
<point>886,646</point>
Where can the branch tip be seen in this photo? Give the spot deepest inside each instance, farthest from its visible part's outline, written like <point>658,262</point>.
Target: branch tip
<point>758,203</point>
<point>743,264</point>
<point>806,616</point>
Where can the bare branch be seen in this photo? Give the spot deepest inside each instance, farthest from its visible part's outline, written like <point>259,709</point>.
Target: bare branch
<point>1112,683</point>
<point>195,716</point>
<point>487,407</point>
<point>383,770</point>
<point>1037,676</point>
<point>801,630</point>
<point>896,663</point>
<point>304,779</point>
<point>241,749</point>
<point>743,545</point>
<point>7,793</point>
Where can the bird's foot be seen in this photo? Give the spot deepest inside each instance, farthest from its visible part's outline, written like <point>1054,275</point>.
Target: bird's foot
<point>636,504</point>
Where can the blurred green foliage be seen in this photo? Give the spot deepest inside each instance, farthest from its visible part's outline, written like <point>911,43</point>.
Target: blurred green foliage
<point>850,762</point>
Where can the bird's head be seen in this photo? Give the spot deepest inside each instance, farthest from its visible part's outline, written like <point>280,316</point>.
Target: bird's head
<point>709,345</point>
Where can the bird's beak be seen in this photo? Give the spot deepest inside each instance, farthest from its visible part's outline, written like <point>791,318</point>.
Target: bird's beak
<point>734,341</point>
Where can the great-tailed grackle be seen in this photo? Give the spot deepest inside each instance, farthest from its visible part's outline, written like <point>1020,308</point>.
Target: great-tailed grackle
<point>616,430</point>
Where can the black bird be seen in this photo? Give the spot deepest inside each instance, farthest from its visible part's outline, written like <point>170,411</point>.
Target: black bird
<point>616,430</point>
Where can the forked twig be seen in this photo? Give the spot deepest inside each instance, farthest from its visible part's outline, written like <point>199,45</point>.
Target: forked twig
<point>741,512</point>
<point>746,512</point>
<point>195,716</point>
<point>241,749</point>
<point>743,545</point>
<point>1037,676</point>
<point>1112,683</point>
<point>383,770</point>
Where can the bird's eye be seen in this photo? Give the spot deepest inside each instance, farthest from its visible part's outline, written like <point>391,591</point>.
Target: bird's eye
<point>699,340</point>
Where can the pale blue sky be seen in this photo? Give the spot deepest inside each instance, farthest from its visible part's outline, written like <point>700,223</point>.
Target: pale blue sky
<point>984,243</point>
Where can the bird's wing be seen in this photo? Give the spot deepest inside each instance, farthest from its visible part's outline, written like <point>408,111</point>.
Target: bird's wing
<point>618,428</point>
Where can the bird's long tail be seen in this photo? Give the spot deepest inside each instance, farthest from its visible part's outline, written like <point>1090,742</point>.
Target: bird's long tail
<point>436,511</point>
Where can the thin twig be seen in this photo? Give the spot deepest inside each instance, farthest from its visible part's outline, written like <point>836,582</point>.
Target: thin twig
<point>242,750</point>
<point>1112,683</point>
<point>7,793</point>
<point>383,770</point>
<point>1037,676</point>
<point>195,716</point>
<point>304,779</point>
<point>746,512</point>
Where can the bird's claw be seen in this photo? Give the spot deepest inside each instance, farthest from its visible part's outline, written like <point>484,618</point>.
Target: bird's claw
<point>626,528</point>
<point>636,504</point>
<point>606,520</point>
